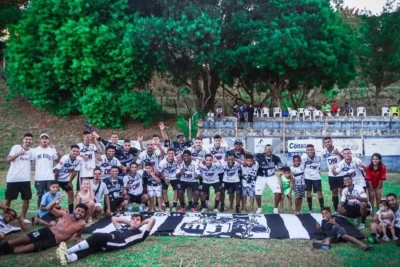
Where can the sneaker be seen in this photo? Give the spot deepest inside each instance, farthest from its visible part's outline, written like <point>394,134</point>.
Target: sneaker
<point>366,248</point>
<point>378,236</point>
<point>395,238</point>
<point>167,209</point>
<point>130,207</point>
<point>146,208</point>
<point>61,253</point>
<point>28,221</point>
<point>141,207</point>
<point>276,211</point>
<point>259,211</point>
<point>386,238</point>
<point>157,209</point>
<point>181,209</point>
<point>173,209</point>
<point>216,210</point>
<point>361,226</point>
<point>194,209</point>
<point>203,210</point>
<point>320,246</point>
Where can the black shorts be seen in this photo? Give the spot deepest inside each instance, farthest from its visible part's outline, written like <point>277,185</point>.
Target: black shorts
<point>49,217</point>
<point>64,186</point>
<point>353,211</point>
<point>13,190</point>
<point>336,182</point>
<point>42,239</point>
<point>250,119</point>
<point>313,184</point>
<point>205,188</point>
<point>42,187</point>
<point>114,203</point>
<point>173,183</point>
<point>337,234</point>
<point>231,187</point>
<point>135,199</point>
<point>182,185</point>
<point>242,120</point>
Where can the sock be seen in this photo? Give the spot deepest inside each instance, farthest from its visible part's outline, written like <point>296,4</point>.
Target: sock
<point>71,208</point>
<point>167,204</point>
<point>175,203</point>
<point>190,203</point>
<point>78,247</point>
<point>321,202</point>
<point>203,204</point>
<point>72,257</point>
<point>216,204</point>
<point>335,201</point>
<point>309,202</point>
<point>363,219</point>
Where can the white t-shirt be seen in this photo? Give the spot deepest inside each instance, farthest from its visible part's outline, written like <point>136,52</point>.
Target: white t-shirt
<point>66,165</point>
<point>357,191</point>
<point>231,174</point>
<point>298,174</point>
<point>101,192</point>
<point>105,165</point>
<point>331,158</point>
<point>168,169</point>
<point>211,175</point>
<point>20,168</point>
<point>311,167</point>
<point>249,175</point>
<point>44,163</point>
<point>88,166</point>
<point>144,157</point>
<point>352,169</point>
<point>136,182</point>
<point>191,171</point>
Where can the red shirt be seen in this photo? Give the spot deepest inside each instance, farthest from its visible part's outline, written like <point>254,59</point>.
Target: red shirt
<point>376,176</point>
<point>335,107</point>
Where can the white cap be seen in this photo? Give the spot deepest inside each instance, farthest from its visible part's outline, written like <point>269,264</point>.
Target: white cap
<point>44,134</point>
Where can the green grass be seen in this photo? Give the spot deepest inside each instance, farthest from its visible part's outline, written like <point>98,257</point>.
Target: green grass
<point>192,251</point>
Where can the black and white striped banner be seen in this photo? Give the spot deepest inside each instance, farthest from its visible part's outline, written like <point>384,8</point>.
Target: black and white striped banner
<point>277,226</point>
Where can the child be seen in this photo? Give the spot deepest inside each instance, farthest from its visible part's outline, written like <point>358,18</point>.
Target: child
<point>154,188</point>
<point>298,183</point>
<point>286,180</point>
<point>248,177</point>
<point>386,219</point>
<point>45,217</point>
<point>334,232</point>
<point>86,196</point>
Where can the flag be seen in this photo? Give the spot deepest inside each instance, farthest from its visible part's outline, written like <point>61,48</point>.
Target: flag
<point>276,226</point>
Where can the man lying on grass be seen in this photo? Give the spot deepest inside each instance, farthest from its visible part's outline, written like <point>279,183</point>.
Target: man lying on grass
<point>124,236</point>
<point>334,232</point>
<point>8,216</point>
<point>47,237</point>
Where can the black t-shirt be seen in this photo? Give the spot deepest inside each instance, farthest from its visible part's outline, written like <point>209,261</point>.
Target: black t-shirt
<point>179,148</point>
<point>250,113</point>
<point>328,227</point>
<point>267,166</point>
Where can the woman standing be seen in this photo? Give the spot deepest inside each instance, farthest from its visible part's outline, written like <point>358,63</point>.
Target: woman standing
<point>376,174</point>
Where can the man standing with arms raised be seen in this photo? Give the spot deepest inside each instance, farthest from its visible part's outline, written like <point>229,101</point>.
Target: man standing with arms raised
<point>268,163</point>
<point>333,156</point>
<point>19,175</point>
<point>312,175</point>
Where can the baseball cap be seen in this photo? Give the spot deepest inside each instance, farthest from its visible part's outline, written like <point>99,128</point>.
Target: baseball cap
<point>238,141</point>
<point>44,134</point>
<point>179,135</point>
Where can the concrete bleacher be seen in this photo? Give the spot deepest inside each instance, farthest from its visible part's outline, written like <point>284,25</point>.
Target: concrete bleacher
<point>328,126</point>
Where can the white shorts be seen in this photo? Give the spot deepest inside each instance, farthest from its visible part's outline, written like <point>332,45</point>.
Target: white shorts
<point>154,191</point>
<point>360,182</point>
<point>98,204</point>
<point>272,182</point>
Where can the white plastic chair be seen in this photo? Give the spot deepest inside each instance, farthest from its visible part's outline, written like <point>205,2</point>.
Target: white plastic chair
<point>289,110</point>
<point>293,114</point>
<point>351,112</point>
<point>300,112</point>
<point>361,111</point>
<point>385,111</point>
<point>256,113</point>
<point>306,114</point>
<point>338,112</point>
<point>277,111</point>
<point>318,113</point>
<point>265,112</point>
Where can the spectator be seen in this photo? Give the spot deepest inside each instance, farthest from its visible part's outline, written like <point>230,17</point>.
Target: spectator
<point>250,115</point>
<point>347,109</point>
<point>235,111</point>
<point>218,112</point>
<point>394,111</point>
<point>334,108</point>
<point>210,119</point>
<point>241,116</point>
<point>326,108</point>
<point>375,175</point>
<point>310,107</point>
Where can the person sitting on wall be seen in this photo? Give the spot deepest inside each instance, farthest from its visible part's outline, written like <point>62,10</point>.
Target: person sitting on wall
<point>326,108</point>
<point>334,108</point>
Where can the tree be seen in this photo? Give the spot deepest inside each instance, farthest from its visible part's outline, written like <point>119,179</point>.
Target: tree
<point>75,56</point>
<point>379,49</point>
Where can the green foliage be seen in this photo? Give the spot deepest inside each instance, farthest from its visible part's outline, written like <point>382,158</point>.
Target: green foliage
<point>183,124</point>
<point>75,56</point>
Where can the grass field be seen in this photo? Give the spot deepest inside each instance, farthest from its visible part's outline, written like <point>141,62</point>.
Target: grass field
<point>189,251</point>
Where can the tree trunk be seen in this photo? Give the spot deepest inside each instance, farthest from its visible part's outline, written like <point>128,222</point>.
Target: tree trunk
<point>205,95</point>
<point>378,90</point>
<point>276,94</point>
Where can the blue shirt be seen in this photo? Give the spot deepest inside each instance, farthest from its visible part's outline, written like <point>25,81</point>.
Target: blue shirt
<point>241,112</point>
<point>46,200</point>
